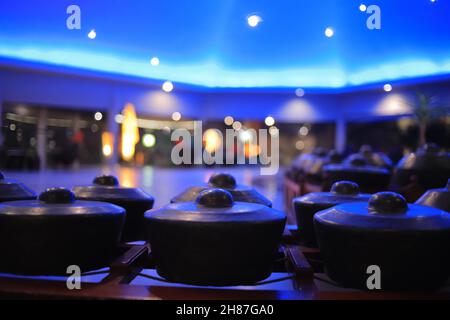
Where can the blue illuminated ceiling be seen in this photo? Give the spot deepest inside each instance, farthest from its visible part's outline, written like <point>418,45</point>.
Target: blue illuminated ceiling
<point>208,42</point>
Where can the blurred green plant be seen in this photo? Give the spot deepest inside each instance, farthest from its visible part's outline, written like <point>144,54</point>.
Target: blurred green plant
<point>426,109</point>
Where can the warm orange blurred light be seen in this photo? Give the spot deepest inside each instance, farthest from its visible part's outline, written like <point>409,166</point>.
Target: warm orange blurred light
<point>107,144</point>
<point>212,140</point>
<point>140,158</point>
<point>128,177</point>
<point>251,150</point>
<point>130,132</point>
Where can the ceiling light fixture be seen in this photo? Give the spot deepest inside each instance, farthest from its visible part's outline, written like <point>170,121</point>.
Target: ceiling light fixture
<point>167,86</point>
<point>329,32</point>
<point>154,61</point>
<point>387,87</point>
<point>92,34</point>
<point>253,20</point>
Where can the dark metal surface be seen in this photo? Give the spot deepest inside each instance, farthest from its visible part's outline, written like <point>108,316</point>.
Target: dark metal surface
<point>11,190</point>
<point>104,189</point>
<point>426,168</point>
<point>213,245</point>
<point>39,237</point>
<point>134,200</point>
<point>355,168</point>
<point>377,159</point>
<point>410,243</point>
<point>437,198</point>
<point>124,281</point>
<point>224,181</point>
<point>306,206</point>
<point>314,171</point>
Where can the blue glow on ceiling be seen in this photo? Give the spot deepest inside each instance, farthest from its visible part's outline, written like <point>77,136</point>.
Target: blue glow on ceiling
<point>209,43</point>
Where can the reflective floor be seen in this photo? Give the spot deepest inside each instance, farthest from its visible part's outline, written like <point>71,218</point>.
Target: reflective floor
<point>162,183</point>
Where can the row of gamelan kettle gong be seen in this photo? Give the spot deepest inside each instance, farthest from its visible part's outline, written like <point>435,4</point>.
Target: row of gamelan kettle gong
<point>357,226</point>
<point>222,233</point>
<point>219,233</point>
<point>415,173</point>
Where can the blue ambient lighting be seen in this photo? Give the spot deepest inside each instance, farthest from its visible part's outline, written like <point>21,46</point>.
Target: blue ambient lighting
<point>218,50</point>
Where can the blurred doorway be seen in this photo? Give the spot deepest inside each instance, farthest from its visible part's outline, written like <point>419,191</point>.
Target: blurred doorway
<point>40,136</point>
